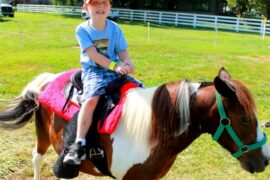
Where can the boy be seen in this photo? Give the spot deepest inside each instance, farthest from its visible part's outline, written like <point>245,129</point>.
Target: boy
<point>104,58</point>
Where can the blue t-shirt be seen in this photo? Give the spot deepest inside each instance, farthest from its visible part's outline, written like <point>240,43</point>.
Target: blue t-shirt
<point>108,42</point>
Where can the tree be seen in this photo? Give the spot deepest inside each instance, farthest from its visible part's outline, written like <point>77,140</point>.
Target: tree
<point>59,2</point>
<point>264,7</point>
<point>68,2</point>
<point>241,6</point>
<point>171,4</point>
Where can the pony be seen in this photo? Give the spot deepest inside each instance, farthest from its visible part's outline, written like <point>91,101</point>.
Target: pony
<point>156,124</point>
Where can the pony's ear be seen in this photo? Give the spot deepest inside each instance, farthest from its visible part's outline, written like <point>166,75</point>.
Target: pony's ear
<point>223,74</point>
<point>224,87</point>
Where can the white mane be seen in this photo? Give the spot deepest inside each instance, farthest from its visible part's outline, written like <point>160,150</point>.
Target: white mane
<point>137,114</point>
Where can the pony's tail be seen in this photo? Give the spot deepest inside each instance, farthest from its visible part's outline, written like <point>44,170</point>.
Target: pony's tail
<point>18,111</point>
<point>15,113</point>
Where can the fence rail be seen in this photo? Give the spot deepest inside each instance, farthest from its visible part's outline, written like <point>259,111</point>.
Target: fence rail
<point>187,19</point>
<point>51,9</point>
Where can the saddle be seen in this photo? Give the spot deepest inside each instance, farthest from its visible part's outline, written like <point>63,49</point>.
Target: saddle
<point>95,151</point>
<point>106,102</point>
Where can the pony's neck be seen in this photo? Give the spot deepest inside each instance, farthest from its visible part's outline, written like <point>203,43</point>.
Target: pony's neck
<point>202,102</point>
<point>201,110</point>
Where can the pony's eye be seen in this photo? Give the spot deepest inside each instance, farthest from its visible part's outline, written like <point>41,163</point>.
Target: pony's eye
<point>245,120</point>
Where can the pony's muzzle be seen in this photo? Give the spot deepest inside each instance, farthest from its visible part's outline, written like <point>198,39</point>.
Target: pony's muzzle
<point>254,164</point>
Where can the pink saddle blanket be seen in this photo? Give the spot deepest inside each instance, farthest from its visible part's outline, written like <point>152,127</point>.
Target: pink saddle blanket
<point>113,118</point>
<point>53,98</point>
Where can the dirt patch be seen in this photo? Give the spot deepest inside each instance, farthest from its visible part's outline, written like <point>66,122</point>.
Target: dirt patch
<point>29,178</point>
<point>258,59</point>
<point>81,177</point>
<point>75,47</point>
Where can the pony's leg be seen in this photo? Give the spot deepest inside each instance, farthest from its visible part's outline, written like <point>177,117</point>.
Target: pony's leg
<point>43,121</point>
<point>37,162</point>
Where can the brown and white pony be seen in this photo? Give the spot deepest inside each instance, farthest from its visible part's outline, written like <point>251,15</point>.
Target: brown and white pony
<point>155,126</point>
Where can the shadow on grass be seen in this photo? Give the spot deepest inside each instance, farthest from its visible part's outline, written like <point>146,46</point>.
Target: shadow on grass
<point>71,16</point>
<point>5,20</point>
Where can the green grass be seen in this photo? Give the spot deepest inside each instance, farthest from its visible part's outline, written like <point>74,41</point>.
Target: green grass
<point>31,44</point>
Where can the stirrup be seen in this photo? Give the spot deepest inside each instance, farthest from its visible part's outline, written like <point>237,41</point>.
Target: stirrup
<point>96,153</point>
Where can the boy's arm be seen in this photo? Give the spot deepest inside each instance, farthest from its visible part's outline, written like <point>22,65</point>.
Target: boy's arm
<point>104,61</point>
<point>97,57</point>
<point>124,57</point>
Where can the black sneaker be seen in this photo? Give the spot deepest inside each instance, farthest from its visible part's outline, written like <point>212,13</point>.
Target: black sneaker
<point>76,153</point>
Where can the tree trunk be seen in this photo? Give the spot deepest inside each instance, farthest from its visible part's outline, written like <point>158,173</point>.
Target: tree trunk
<point>239,12</point>
<point>242,6</point>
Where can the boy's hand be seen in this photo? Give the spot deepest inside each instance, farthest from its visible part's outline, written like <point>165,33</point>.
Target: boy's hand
<point>130,67</point>
<point>124,68</point>
<point>120,68</point>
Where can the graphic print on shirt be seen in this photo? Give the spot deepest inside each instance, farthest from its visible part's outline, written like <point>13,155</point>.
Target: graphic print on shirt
<point>102,46</point>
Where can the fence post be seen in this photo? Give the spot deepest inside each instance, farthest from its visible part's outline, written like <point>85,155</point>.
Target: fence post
<point>237,24</point>
<point>159,18</point>
<point>216,22</point>
<point>131,15</point>
<point>176,19</point>
<point>194,20</point>
<point>62,10</point>
<point>264,21</point>
<point>144,16</point>
<point>267,30</point>
<point>262,26</point>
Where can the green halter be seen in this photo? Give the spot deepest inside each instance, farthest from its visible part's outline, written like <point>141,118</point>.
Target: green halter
<point>225,124</point>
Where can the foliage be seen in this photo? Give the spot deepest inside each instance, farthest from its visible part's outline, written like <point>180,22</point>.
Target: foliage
<point>265,7</point>
<point>155,4</point>
<point>67,2</point>
<point>241,6</point>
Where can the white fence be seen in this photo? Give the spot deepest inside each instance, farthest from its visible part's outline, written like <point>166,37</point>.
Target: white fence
<point>194,20</point>
<point>65,10</point>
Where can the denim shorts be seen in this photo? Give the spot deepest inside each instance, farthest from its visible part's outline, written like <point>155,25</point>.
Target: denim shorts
<point>96,79</point>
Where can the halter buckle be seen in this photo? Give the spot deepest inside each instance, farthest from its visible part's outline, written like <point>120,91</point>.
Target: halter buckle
<point>225,121</point>
<point>244,149</point>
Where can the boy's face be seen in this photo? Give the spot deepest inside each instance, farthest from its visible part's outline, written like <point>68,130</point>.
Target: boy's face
<point>98,8</point>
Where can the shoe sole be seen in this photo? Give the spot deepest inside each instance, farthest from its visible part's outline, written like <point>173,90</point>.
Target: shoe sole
<point>74,162</point>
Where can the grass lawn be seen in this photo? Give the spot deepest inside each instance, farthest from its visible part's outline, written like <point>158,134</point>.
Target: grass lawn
<point>31,44</point>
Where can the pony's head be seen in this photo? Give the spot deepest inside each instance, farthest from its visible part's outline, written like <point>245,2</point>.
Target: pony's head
<point>235,124</point>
